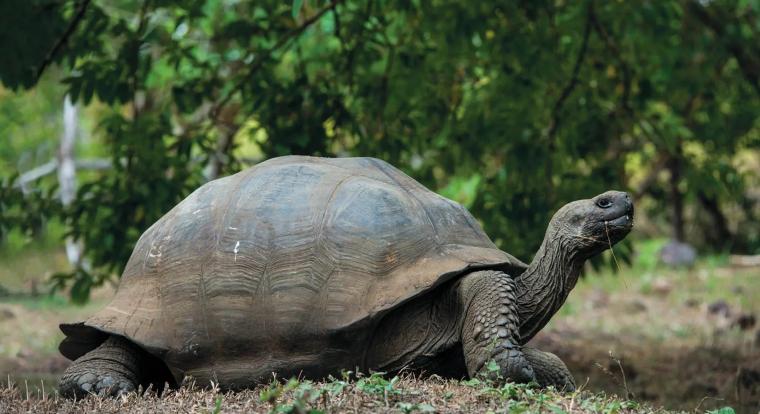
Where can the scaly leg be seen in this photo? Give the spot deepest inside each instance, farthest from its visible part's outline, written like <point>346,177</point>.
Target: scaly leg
<point>112,369</point>
<point>490,330</point>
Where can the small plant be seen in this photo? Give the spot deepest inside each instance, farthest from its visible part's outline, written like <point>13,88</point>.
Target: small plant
<point>723,410</point>
<point>218,405</point>
<point>407,407</point>
<point>304,395</point>
<point>377,384</point>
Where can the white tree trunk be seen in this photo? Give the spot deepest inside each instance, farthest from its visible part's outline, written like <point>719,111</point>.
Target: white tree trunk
<point>67,170</point>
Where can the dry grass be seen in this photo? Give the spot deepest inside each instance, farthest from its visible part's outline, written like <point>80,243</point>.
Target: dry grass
<point>370,394</point>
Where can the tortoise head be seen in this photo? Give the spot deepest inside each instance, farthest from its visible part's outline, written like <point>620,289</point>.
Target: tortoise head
<point>594,225</point>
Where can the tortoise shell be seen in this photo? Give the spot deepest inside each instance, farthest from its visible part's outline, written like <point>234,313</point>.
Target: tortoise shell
<point>286,264</point>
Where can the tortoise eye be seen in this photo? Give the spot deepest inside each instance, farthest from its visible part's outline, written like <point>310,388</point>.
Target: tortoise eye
<point>604,203</point>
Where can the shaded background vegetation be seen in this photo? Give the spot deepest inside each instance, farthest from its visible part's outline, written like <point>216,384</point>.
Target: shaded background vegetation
<point>511,108</point>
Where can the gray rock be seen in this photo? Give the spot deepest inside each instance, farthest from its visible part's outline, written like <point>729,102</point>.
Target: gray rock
<point>678,254</point>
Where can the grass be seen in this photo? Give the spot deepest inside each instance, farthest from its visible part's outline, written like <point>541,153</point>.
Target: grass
<point>375,393</point>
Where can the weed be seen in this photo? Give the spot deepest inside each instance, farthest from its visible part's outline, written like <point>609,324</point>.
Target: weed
<point>377,384</point>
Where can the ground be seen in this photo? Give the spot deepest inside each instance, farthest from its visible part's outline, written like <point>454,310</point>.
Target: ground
<point>655,337</point>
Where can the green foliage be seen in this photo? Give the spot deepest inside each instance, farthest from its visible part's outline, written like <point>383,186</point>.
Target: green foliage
<point>218,406</point>
<point>28,212</point>
<point>511,108</point>
<point>377,384</point>
<point>304,396</point>
<point>724,410</point>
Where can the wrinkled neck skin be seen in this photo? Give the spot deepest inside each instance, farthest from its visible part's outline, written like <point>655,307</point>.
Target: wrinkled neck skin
<point>544,286</point>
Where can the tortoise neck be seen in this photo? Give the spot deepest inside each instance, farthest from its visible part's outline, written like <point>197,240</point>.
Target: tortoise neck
<point>544,286</point>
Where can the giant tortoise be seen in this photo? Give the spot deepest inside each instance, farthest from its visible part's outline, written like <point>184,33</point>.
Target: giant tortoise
<point>310,266</point>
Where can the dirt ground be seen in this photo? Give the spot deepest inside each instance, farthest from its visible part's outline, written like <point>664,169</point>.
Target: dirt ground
<point>682,339</point>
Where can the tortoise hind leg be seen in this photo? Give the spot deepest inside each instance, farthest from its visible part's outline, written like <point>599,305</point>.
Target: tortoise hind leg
<point>114,368</point>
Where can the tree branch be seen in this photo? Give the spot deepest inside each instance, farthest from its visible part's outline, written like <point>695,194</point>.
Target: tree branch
<point>566,92</point>
<point>612,47</point>
<point>79,14</point>
<point>568,89</point>
<point>268,54</point>
<point>748,62</point>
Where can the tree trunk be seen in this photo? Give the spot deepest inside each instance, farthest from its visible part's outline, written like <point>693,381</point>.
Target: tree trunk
<point>720,236</point>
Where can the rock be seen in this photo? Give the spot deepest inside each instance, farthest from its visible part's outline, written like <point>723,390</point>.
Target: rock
<point>662,286</point>
<point>745,321</point>
<point>692,302</point>
<point>6,314</point>
<point>678,254</point>
<point>719,307</point>
<point>598,299</point>
<point>747,384</point>
<point>635,306</point>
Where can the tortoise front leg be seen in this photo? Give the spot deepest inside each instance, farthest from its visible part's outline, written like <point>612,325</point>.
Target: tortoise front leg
<point>549,369</point>
<point>112,369</point>
<point>490,329</point>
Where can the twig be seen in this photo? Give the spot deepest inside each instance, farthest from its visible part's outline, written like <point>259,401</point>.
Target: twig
<point>268,54</point>
<point>748,63</point>
<point>568,89</point>
<point>628,393</point>
<point>617,54</point>
<point>81,9</point>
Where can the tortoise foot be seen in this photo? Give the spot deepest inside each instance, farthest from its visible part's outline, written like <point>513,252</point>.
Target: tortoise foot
<point>109,370</point>
<point>512,366</point>
<point>102,384</point>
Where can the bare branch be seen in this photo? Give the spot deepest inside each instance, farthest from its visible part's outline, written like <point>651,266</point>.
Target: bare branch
<point>573,82</point>
<point>50,167</point>
<point>78,16</point>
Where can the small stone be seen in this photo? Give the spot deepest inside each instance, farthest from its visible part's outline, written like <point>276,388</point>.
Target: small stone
<point>719,307</point>
<point>678,254</point>
<point>494,330</point>
<point>503,333</point>
<point>745,321</point>
<point>662,286</point>
<point>6,314</point>
<point>692,303</point>
<point>635,306</point>
<point>504,310</point>
<point>501,320</point>
<point>478,329</point>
